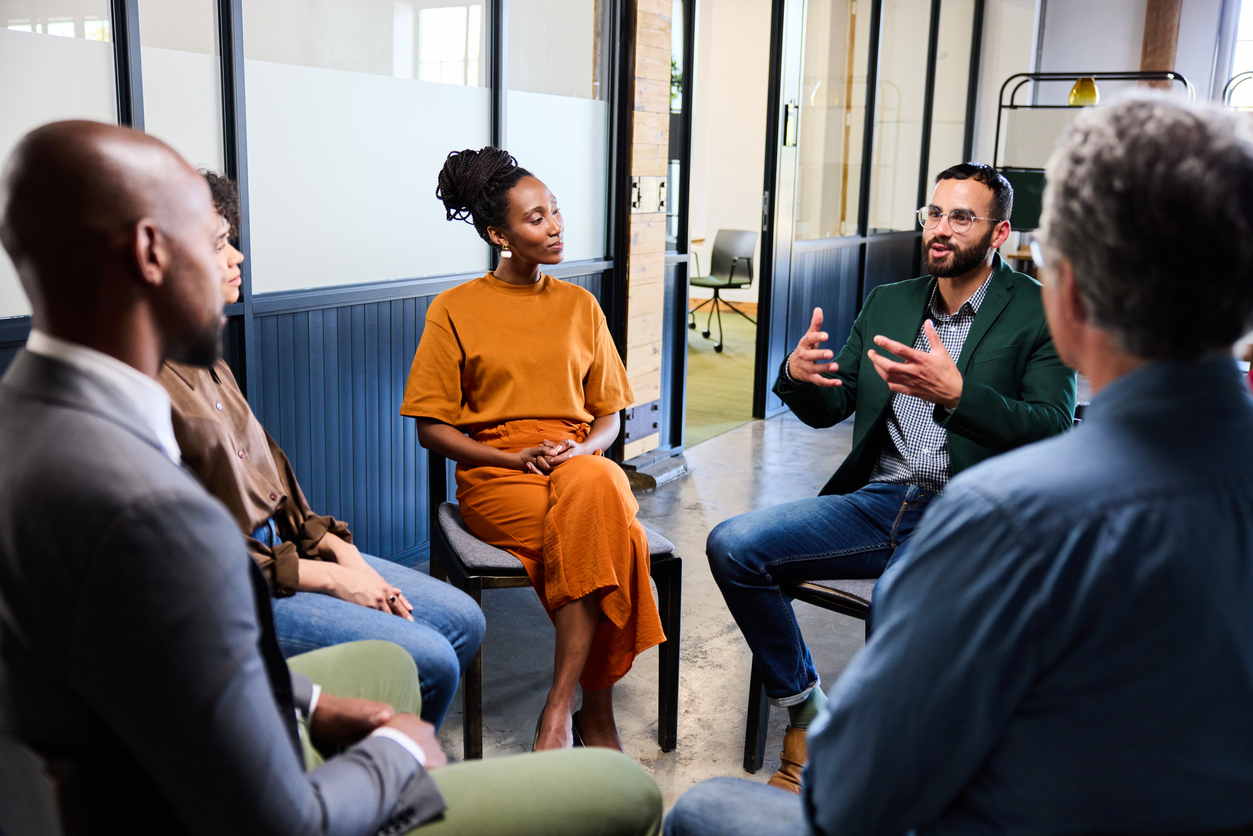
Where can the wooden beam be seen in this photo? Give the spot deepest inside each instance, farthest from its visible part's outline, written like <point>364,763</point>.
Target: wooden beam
<point>1161,38</point>
<point>649,159</point>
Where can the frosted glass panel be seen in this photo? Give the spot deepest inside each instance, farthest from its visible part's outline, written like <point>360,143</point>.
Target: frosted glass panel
<point>555,46</point>
<point>556,114</point>
<point>952,77</point>
<point>444,41</point>
<point>342,171</point>
<point>181,77</point>
<point>571,160</point>
<point>57,63</point>
<point>904,30</point>
<point>345,139</point>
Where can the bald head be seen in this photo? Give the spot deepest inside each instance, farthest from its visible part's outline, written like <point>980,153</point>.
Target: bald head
<point>102,221</point>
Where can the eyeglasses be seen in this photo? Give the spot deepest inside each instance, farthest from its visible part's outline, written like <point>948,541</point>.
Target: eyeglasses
<point>959,220</point>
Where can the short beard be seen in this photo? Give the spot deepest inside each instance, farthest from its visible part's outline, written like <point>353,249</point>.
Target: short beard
<point>205,351</point>
<point>962,260</point>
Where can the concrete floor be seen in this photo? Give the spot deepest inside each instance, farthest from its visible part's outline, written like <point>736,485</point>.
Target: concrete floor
<point>759,464</point>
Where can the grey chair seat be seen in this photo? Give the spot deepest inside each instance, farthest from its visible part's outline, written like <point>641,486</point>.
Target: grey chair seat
<point>847,597</point>
<point>481,557</point>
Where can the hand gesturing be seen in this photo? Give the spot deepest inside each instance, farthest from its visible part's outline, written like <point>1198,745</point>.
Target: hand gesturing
<point>807,363</point>
<point>931,376</point>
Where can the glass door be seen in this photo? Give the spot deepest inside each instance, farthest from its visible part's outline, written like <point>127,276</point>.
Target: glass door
<point>778,204</point>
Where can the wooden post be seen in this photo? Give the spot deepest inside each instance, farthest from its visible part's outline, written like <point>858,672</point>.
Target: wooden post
<point>1161,38</point>
<point>647,257</point>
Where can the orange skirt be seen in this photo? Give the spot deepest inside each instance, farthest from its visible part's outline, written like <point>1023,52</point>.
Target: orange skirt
<point>575,532</point>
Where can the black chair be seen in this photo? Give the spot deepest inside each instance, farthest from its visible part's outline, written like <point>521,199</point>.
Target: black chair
<point>847,597</point>
<point>731,268</point>
<point>472,566</point>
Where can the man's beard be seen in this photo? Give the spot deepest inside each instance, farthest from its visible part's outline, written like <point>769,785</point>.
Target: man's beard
<point>960,261</point>
<point>203,351</point>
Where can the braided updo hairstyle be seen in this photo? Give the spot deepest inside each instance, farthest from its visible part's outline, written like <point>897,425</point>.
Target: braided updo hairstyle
<point>474,186</point>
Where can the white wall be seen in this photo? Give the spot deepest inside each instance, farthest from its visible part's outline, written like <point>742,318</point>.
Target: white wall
<point>729,124</point>
<point>1084,35</point>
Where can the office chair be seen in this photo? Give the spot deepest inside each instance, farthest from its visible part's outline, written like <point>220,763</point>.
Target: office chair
<point>731,268</point>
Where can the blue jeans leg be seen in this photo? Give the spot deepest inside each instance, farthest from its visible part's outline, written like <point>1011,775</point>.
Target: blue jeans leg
<point>442,639</point>
<point>736,807</point>
<point>823,538</point>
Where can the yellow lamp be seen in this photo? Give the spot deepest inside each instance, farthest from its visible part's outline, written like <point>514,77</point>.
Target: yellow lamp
<point>1084,93</point>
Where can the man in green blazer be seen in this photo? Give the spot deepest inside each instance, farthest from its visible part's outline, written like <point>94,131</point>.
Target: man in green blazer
<point>941,373</point>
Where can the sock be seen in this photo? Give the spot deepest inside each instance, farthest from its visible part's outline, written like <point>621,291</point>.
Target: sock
<point>805,713</point>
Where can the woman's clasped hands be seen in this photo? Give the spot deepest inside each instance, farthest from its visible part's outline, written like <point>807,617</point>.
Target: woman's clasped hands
<point>541,460</point>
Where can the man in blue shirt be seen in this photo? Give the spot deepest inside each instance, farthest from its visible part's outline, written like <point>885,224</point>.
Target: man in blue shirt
<point>1066,646</point>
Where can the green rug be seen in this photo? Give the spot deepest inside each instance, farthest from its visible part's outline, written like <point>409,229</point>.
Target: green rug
<point>719,385</point>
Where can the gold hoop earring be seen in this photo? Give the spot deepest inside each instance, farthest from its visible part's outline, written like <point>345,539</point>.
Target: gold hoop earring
<point>504,250</point>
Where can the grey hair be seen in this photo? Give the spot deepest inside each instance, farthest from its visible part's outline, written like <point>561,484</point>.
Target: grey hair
<point>1151,201</point>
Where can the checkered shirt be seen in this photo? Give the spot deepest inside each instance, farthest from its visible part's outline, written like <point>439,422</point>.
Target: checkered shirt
<point>918,454</point>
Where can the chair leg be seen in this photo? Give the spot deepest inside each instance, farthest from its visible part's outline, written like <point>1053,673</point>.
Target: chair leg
<point>437,569</point>
<point>669,579</point>
<point>718,303</point>
<point>692,313</point>
<point>710,318</point>
<point>738,311</point>
<point>472,692</point>
<point>758,723</point>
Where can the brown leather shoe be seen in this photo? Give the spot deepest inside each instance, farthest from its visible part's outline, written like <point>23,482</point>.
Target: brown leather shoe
<point>794,756</point>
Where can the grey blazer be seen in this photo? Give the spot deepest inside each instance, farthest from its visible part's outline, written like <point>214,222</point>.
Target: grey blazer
<point>131,653</point>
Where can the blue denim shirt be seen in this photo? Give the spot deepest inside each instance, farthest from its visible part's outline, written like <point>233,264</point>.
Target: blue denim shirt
<point>1067,645</point>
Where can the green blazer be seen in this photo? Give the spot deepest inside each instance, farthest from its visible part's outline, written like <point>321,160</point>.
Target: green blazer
<point>1015,390</point>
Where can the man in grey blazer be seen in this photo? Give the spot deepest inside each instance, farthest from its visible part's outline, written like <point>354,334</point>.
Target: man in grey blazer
<point>137,655</point>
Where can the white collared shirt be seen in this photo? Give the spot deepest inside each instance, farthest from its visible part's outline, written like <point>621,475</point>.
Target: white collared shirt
<point>149,398</point>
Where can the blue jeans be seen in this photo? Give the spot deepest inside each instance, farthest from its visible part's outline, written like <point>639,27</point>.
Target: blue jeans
<point>736,807</point>
<point>443,637</point>
<point>824,538</point>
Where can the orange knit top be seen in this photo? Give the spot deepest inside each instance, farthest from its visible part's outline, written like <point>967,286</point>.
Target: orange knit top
<point>493,352</point>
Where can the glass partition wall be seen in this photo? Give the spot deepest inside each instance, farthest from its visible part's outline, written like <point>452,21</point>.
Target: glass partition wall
<point>833,115</point>
<point>182,78</point>
<point>57,58</point>
<point>557,114</point>
<point>918,128</point>
<point>351,107</point>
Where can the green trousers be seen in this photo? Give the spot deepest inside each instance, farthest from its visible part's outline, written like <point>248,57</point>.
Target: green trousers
<point>557,793</point>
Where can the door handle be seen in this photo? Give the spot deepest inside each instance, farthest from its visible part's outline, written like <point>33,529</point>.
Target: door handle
<point>791,116</point>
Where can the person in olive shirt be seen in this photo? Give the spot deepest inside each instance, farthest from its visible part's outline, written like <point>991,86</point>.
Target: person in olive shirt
<point>941,372</point>
<point>326,591</point>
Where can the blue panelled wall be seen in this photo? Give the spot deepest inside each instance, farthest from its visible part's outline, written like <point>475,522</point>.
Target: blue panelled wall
<point>330,375</point>
<point>331,379</point>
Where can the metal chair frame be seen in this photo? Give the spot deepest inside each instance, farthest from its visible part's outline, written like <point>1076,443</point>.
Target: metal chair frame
<point>827,597</point>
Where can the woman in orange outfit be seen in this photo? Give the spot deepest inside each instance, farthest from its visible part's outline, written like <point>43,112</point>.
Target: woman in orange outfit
<point>517,379</point>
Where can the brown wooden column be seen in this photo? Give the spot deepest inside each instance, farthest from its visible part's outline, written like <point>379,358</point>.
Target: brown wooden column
<point>647,255</point>
<point>1161,38</point>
